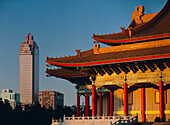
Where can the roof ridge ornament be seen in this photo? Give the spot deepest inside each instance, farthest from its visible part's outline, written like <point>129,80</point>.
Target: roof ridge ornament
<point>130,31</point>
<point>123,30</point>
<point>78,52</point>
<point>136,15</point>
<point>96,49</point>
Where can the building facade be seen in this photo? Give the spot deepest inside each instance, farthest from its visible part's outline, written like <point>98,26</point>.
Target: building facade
<point>130,76</point>
<point>29,71</point>
<point>51,99</point>
<point>13,98</point>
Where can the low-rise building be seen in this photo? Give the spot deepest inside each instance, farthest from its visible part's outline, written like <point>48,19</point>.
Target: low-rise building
<point>13,98</point>
<point>51,99</point>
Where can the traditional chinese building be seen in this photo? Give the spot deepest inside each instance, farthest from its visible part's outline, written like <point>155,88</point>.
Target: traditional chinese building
<point>131,76</point>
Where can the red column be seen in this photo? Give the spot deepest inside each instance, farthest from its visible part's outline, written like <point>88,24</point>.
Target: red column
<point>93,100</point>
<point>111,103</point>
<point>78,105</point>
<point>161,100</point>
<point>100,104</point>
<point>87,105</point>
<point>143,104</point>
<point>108,105</point>
<point>125,99</point>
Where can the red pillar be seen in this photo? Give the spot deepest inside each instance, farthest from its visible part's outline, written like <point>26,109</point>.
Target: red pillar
<point>125,99</point>
<point>111,103</point>
<point>78,105</point>
<point>143,104</point>
<point>87,105</point>
<point>108,105</point>
<point>100,104</point>
<point>94,100</point>
<point>161,101</point>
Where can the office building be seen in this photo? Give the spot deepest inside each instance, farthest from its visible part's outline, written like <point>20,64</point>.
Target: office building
<point>51,99</point>
<point>11,97</point>
<point>29,71</point>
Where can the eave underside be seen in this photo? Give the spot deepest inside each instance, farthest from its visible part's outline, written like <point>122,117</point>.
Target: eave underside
<point>125,68</point>
<point>71,75</point>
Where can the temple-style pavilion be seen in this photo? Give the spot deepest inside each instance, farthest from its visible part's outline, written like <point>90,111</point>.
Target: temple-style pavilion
<point>130,76</point>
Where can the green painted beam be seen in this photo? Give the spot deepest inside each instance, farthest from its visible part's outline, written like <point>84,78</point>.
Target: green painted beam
<point>90,91</point>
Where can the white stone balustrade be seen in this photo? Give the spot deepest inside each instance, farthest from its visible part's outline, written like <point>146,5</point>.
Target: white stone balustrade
<point>97,120</point>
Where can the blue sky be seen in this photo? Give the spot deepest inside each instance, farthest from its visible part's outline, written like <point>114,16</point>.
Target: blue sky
<point>59,27</point>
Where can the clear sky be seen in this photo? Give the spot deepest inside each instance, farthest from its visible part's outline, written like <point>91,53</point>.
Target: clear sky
<point>59,27</point>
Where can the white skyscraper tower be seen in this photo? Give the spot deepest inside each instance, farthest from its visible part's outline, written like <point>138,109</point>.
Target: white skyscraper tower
<point>29,71</point>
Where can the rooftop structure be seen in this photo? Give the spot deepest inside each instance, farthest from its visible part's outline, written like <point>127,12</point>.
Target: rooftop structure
<point>130,75</point>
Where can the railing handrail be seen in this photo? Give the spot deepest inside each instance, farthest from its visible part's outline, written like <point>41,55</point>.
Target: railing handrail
<point>98,117</point>
<point>115,119</point>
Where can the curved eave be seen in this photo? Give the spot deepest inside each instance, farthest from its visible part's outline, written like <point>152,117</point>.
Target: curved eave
<point>68,76</point>
<point>107,62</point>
<point>130,40</point>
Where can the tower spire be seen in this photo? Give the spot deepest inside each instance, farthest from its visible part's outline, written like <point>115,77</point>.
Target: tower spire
<point>29,33</point>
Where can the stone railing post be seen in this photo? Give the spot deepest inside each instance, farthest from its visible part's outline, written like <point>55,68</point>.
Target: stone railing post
<point>114,118</point>
<point>93,117</point>
<point>103,116</point>
<point>52,119</point>
<point>125,117</point>
<point>64,119</point>
<point>83,117</point>
<point>73,117</point>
